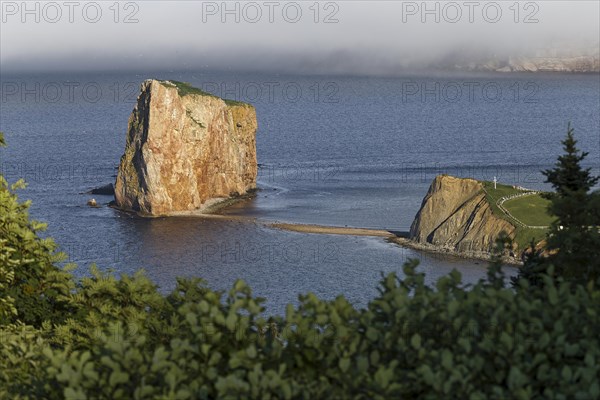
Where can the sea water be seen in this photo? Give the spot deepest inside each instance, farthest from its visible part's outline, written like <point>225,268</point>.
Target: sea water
<point>333,150</point>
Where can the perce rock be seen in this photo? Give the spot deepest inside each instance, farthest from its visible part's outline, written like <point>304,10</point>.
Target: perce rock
<point>455,216</point>
<point>186,151</point>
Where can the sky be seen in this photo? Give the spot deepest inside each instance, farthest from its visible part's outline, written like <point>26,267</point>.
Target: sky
<point>304,36</point>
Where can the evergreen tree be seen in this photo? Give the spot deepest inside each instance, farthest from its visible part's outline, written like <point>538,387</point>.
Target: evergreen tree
<point>573,240</point>
<point>533,269</point>
<point>567,176</point>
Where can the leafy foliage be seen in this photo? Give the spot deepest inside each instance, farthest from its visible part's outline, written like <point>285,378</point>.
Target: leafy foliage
<point>413,341</point>
<point>32,288</point>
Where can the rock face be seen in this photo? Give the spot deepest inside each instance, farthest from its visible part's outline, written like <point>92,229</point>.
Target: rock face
<point>554,64</point>
<point>456,216</point>
<point>185,151</point>
<point>583,61</point>
<point>108,190</point>
<point>587,64</point>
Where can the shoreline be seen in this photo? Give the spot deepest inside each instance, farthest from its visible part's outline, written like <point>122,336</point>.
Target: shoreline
<point>209,209</point>
<point>430,248</point>
<point>331,230</point>
<point>399,238</point>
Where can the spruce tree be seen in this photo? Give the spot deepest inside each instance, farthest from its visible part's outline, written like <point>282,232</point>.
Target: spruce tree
<point>573,241</point>
<point>533,268</point>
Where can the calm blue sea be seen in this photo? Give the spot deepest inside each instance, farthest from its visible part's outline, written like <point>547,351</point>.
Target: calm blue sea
<point>332,150</point>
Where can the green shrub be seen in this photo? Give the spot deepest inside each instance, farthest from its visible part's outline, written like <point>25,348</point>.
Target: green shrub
<point>32,287</point>
<point>412,341</point>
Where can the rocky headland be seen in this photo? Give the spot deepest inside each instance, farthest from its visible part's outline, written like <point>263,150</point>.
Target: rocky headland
<point>578,64</point>
<point>186,151</point>
<point>456,217</point>
<point>561,57</point>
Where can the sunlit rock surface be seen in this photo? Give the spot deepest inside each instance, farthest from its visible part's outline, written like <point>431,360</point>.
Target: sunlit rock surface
<point>456,216</point>
<point>186,151</point>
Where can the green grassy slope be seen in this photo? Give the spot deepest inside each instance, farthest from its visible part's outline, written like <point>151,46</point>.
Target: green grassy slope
<point>524,212</point>
<point>531,210</point>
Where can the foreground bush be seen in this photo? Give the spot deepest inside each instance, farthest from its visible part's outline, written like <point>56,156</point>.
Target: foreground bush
<point>412,341</point>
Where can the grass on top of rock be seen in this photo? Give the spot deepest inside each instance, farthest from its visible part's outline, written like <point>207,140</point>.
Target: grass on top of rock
<point>185,88</point>
<point>493,195</point>
<point>530,210</point>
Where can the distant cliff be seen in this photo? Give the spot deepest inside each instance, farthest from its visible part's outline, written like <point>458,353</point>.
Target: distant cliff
<point>456,217</point>
<point>185,151</point>
<point>554,64</point>
<point>535,64</point>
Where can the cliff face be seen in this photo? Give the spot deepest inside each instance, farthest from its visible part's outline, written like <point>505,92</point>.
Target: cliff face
<point>543,63</point>
<point>456,216</point>
<point>554,64</point>
<point>185,150</point>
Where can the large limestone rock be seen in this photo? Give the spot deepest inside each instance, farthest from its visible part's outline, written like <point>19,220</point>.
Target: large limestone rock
<point>456,216</point>
<point>185,151</point>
